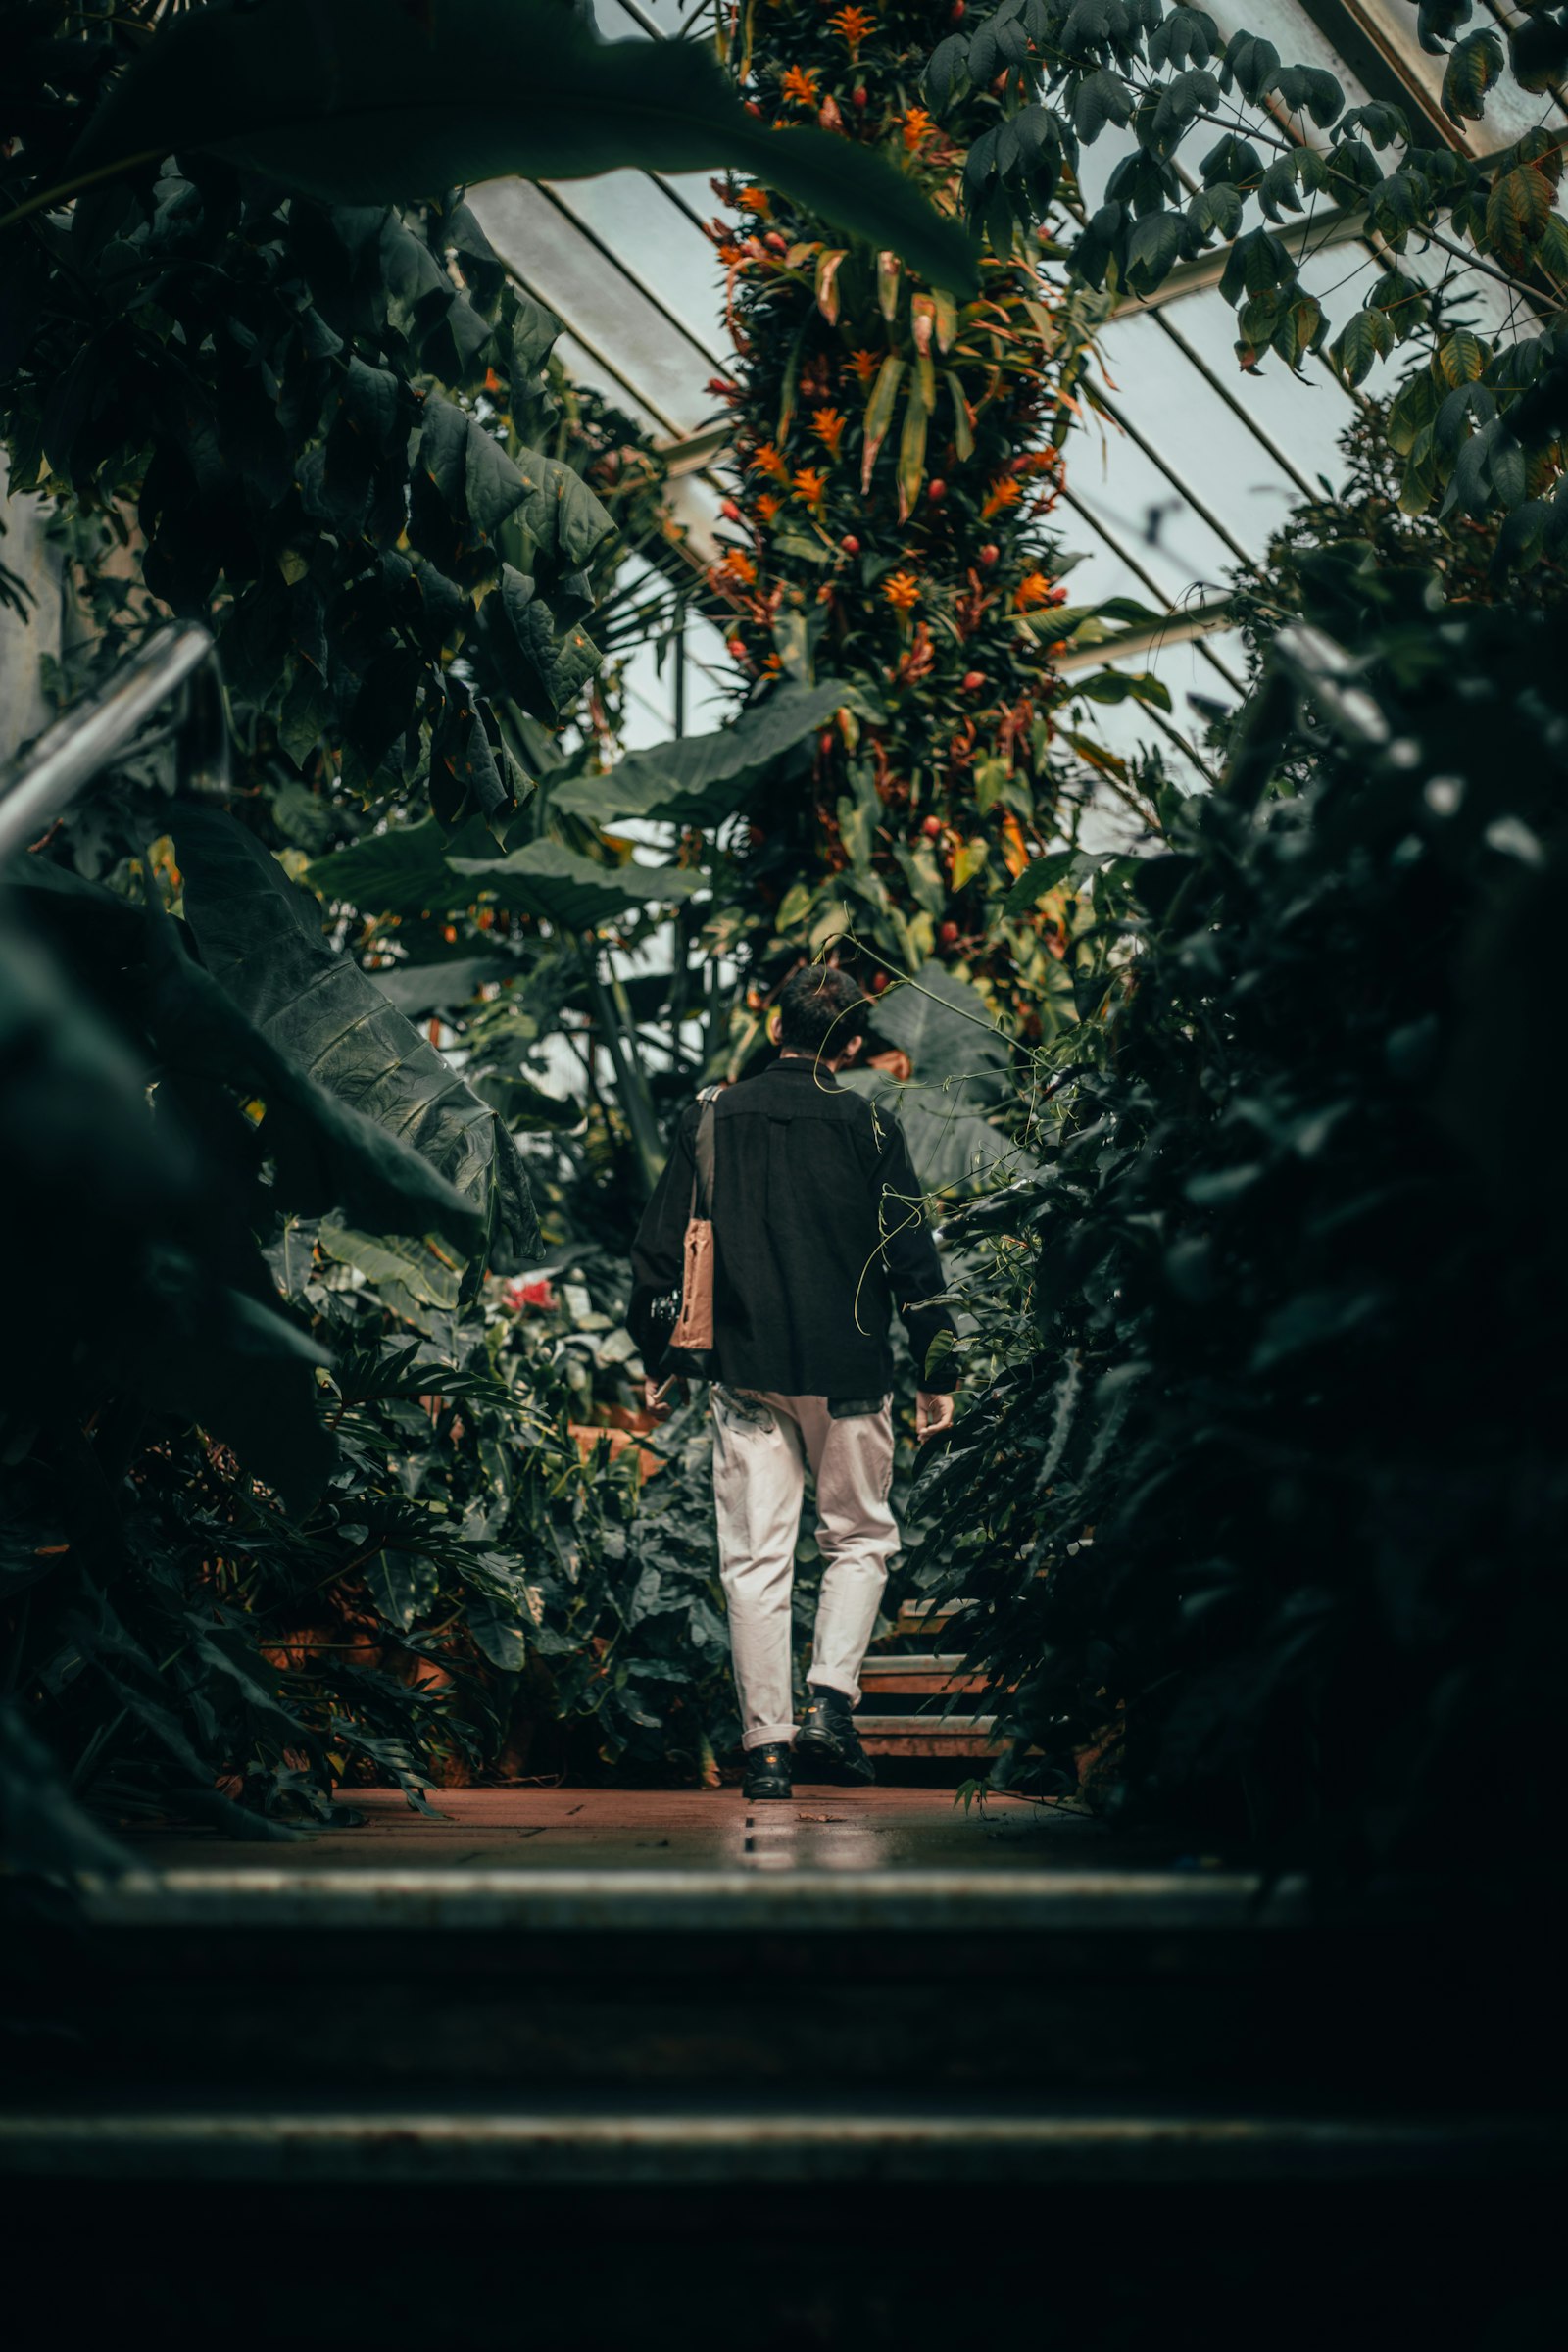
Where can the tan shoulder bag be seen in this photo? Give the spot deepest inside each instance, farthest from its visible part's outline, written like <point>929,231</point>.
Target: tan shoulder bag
<point>692,1333</point>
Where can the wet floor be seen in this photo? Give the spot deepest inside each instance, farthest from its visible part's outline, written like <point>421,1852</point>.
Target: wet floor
<point>564,1829</point>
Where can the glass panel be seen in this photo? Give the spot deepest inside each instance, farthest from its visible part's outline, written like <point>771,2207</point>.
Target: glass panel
<point>1203,443</point>
<point>1152,522</point>
<point>652,237</point>
<point>594,298</point>
<point>1305,416</point>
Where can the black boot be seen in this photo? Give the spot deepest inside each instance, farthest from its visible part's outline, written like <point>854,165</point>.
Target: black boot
<point>768,1772</point>
<point>827,1745</point>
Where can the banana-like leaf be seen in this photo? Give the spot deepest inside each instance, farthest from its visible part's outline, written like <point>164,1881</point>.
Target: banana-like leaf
<point>368,102</point>
<point>422,988</point>
<point>952,1148</point>
<point>947,1029</point>
<point>127,1236</point>
<point>420,869</point>
<point>701,780</point>
<point>404,870</point>
<point>330,1153</point>
<point>261,938</point>
<point>571,890</point>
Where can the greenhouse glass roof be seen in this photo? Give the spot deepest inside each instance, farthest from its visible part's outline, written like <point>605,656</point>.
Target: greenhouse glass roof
<point>1202,464</point>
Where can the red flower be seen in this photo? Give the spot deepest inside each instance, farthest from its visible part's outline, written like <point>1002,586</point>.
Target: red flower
<point>530,1291</point>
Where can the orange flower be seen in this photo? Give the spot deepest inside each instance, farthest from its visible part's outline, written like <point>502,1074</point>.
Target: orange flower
<point>811,485</point>
<point>800,86</point>
<point>738,563</point>
<point>768,505</point>
<point>1003,492</point>
<point>852,25</point>
<point>765,458</point>
<point>1035,589</point>
<point>756,200</point>
<point>902,589</point>
<point>733,256</point>
<point>828,426</point>
<point>918,126</point>
<point>866,364</point>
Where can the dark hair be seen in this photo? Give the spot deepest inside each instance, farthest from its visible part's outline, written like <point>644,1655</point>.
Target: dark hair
<point>821,1009</point>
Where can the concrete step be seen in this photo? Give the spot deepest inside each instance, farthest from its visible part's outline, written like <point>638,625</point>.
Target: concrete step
<point>616,2143</point>
<point>1064,1985</point>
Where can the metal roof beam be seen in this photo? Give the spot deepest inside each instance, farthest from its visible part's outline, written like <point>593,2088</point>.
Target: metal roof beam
<point>1181,627</point>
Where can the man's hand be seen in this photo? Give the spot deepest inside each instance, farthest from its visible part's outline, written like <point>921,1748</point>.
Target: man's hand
<point>933,1413</point>
<point>657,1395</point>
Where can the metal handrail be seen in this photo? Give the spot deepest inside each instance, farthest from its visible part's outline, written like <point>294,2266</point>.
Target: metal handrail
<point>87,739</point>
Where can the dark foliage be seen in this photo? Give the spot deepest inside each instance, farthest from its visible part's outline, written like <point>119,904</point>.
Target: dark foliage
<point>1261,1503</point>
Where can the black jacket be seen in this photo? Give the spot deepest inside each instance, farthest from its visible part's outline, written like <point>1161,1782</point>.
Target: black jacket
<point>819,1235</point>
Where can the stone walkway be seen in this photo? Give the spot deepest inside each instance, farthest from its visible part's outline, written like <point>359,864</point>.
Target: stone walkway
<point>653,1828</point>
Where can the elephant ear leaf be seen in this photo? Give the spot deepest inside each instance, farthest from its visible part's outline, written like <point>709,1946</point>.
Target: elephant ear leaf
<point>946,1028</point>
<point>363,102</point>
<point>700,779</point>
<point>329,1154</point>
<point>953,1149</point>
<point>261,939</point>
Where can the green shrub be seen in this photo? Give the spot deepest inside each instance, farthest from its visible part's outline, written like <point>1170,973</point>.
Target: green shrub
<point>1266,1485</point>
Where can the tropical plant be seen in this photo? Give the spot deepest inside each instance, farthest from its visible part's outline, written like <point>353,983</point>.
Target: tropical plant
<point>898,460</point>
<point>1288,170</point>
<point>266,395</point>
<point>1256,1508</point>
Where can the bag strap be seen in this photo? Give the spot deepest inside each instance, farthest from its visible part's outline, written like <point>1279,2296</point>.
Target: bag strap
<point>703,1169</point>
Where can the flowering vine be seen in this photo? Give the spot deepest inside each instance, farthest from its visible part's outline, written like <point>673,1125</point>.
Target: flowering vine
<point>897,462</point>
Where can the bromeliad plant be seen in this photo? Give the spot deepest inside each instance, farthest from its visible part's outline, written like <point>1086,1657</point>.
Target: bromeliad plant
<point>897,463</point>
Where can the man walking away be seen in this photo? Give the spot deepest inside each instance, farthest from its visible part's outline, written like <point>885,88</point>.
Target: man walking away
<point>819,1238</point>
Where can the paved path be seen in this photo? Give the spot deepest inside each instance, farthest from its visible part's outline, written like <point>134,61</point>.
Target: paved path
<point>653,1828</point>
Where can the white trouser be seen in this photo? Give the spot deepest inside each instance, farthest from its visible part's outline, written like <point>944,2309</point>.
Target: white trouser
<point>762,1444</point>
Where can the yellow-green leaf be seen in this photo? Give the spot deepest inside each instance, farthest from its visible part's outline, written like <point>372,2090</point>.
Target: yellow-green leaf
<point>879,414</point>
<point>912,446</point>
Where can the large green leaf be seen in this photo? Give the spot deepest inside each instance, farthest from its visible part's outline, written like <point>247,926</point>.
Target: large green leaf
<point>948,1031</point>
<point>420,988</point>
<point>130,1265</point>
<point>365,102</point>
<point>952,1148</point>
<point>330,1153</point>
<point>420,869</point>
<point>701,780</point>
<point>411,1280</point>
<point>573,892</point>
<point>402,870</point>
<point>261,938</point>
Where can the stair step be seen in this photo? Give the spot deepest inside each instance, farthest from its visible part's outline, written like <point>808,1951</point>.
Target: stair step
<point>850,1980</point>
<point>679,2145</point>
<point>924,1684</point>
<point>923,1676</point>
<point>877,1666</point>
<point>919,1616</point>
<point>927,1734</point>
<point>982,1900</point>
